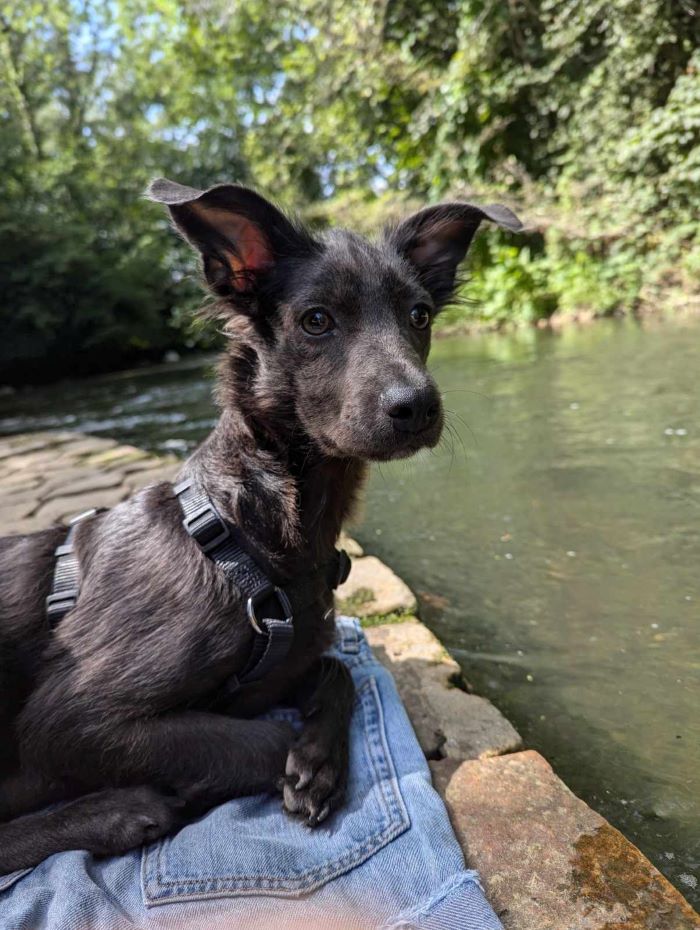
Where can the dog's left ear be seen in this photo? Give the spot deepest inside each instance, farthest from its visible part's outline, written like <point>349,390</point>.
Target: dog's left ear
<point>436,239</point>
<point>239,234</point>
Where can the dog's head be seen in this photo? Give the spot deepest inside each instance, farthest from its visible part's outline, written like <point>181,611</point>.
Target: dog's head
<point>331,332</point>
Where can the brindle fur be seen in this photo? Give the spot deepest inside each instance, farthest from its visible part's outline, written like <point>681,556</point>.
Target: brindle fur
<point>124,711</point>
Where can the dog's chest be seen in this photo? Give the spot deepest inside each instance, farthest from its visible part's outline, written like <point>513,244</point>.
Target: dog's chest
<point>313,635</point>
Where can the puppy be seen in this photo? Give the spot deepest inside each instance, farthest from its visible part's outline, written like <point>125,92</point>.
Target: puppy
<point>136,709</point>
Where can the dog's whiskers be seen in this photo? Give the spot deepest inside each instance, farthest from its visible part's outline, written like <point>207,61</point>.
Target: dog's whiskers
<point>451,435</point>
<point>466,391</point>
<point>455,435</point>
<point>460,419</point>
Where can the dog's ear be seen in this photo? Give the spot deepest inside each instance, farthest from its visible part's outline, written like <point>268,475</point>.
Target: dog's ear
<point>239,234</point>
<point>436,239</point>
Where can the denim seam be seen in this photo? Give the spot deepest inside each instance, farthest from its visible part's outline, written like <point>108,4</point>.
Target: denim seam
<point>394,822</point>
<point>387,778</point>
<point>9,880</point>
<point>371,721</point>
<point>320,871</point>
<point>306,881</point>
<point>356,660</point>
<point>406,919</point>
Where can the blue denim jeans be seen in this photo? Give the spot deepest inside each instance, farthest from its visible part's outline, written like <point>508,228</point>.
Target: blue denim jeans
<point>388,859</point>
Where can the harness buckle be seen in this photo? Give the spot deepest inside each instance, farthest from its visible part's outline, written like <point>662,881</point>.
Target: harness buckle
<point>256,599</point>
<point>207,527</point>
<point>58,604</point>
<point>344,566</point>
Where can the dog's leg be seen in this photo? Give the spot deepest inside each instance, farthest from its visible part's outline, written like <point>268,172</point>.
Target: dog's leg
<point>24,791</point>
<point>317,765</point>
<point>204,758</point>
<point>105,823</point>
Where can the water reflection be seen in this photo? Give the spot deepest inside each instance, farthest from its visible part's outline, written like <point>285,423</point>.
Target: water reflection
<point>566,541</point>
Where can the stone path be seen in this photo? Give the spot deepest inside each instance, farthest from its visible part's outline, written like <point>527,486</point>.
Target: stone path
<point>49,477</point>
<point>548,861</point>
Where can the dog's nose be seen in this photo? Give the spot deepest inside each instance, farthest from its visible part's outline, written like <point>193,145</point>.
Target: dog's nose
<point>411,409</point>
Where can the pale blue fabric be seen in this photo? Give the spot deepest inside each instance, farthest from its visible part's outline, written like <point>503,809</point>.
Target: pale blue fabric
<point>388,860</point>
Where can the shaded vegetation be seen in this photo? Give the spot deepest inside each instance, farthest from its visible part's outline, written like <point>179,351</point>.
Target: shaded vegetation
<point>584,116</point>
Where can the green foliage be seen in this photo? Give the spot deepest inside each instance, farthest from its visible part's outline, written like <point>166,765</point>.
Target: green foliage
<point>585,116</point>
<point>95,100</point>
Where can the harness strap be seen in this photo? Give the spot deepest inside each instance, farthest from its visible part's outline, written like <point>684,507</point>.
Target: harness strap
<point>268,607</point>
<point>65,583</point>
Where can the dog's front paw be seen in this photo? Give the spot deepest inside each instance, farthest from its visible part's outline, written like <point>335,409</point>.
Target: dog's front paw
<point>315,777</point>
<point>123,819</point>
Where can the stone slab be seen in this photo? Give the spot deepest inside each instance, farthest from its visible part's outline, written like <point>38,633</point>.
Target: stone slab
<point>48,477</point>
<point>164,472</point>
<point>14,496</point>
<point>62,475</point>
<point>17,481</point>
<point>89,480</point>
<point>34,455</point>
<point>351,546</point>
<point>31,442</point>
<point>449,723</point>
<point>149,463</point>
<point>87,445</point>
<point>115,456</point>
<point>547,861</point>
<point>374,590</point>
<point>60,509</point>
<point>14,512</point>
<point>20,526</point>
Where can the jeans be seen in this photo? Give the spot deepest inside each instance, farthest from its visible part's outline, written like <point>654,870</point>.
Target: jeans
<point>388,859</point>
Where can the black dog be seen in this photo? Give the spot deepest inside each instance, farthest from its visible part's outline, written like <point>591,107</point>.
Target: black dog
<point>126,711</point>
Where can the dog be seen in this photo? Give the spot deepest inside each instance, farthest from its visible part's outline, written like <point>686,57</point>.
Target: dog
<point>125,712</point>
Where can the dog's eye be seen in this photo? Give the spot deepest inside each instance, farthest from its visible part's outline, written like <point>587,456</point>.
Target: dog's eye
<point>317,322</point>
<point>420,316</point>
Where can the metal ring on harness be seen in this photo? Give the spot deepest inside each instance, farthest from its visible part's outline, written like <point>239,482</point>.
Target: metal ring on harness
<point>268,607</point>
<point>261,596</point>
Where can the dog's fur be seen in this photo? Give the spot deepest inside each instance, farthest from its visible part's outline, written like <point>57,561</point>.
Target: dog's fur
<point>123,712</point>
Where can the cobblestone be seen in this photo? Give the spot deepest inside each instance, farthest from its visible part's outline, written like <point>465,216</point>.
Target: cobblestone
<point>49,477</point>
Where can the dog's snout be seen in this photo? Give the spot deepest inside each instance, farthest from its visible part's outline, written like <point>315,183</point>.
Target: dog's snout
<point>411,409</point>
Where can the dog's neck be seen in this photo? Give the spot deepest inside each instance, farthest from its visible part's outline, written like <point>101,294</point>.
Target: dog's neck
<point>288,498</point>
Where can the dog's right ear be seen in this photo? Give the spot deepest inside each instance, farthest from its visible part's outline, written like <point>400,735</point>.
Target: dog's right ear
<point>239,234</point>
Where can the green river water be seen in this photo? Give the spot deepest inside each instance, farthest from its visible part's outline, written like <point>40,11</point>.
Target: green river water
<point>553,540</point>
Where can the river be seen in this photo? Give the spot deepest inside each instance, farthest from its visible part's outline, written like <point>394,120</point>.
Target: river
<point>553,539</point>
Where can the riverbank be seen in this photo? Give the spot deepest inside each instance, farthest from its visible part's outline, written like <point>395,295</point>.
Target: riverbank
<point>547,860</point>
<point>579,257</point>
<point>677,309</point>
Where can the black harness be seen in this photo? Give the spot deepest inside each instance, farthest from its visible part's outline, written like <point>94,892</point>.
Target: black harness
<point>270,609</point>
<point>65,584</point>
